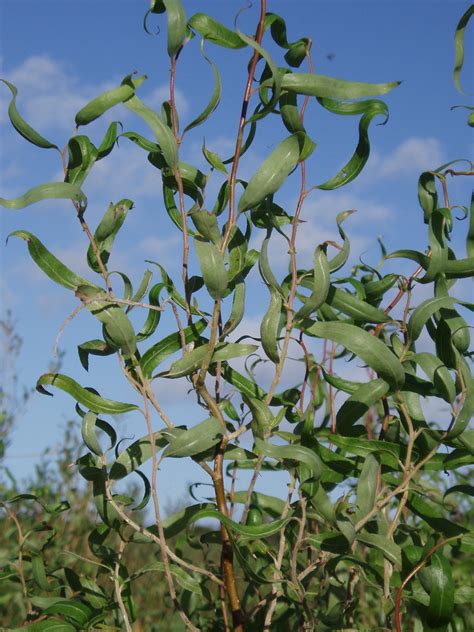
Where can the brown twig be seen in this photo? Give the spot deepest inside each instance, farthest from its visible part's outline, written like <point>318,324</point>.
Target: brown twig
<point>11,514</point>
<point>411,574</point>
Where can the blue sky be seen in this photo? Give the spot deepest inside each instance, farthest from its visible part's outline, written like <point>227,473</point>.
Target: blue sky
<point>60,54</point>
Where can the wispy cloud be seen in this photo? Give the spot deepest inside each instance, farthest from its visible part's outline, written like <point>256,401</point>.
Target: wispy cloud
<point>413,155</point>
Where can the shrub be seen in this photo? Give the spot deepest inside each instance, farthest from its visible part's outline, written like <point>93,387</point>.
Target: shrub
<point>369,534</point>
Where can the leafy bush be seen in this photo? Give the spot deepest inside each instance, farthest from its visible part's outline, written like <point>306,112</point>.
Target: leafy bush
<point>370,534</point>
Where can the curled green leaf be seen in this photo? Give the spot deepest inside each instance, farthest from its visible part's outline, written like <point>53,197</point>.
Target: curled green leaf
<point>21,125</point>
<point>108,99</point>
<point>85,397</point>
<point>47,191</point>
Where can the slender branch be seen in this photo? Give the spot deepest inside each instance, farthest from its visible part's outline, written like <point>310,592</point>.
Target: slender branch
<point>11,514</point>
<point>240,131</point>
<point>118,588</point>
<point>412,573</point>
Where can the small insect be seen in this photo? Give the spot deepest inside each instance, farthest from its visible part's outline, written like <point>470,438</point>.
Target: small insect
<point>330,56</point>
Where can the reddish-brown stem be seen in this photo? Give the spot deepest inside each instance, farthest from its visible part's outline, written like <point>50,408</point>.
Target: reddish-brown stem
<point>227,556</point>
<point>413,572</point>
<point>240,131</point>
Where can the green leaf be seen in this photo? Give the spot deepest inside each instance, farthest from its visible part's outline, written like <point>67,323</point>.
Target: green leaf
<point>48,263</point>
<point>262,417</point>
<point>459,46</point>
<point>264,267</point>
<point>320,284</point>
<point>117,325</point>
<point>238,308</point>
<point>81,158</point>
<point>154,316</point>
<point>213,101</point>
<point>322,86</point>
<point>441,605</point>
<point>361,154</point>
<point>269,326</point>
<point>359,403</point>
<point>39,573</point>
<point>176,23</point>
<point>106,232</point>
<point>367,486</point>
<point>273,172</point>
<point>437,372</point>
<point>21,125</point>
<point>92,401</point>
<point>93,347</point>
<point>212,267</point>
<point>252,532</point>
<point>207,226</point>
<point>371,349</point>
<point>169,345</point>
<point>391,551</point>
<point>47,191</point>
<point>294,452</point>
<point>192,361</point>
<point>214,160</point>
<point>340,259</point>
<point>296,50</point>
<point>388,453</point>
<point>74,611</point>
<point>199,438</point>
<point>183,578</point>
<point>136,454</point>
<point>424,312</point>
<point>108,99</point>
<point>89,435</point>
<point>109,140</point>
<point>215,32</point>
<point>163,133</point>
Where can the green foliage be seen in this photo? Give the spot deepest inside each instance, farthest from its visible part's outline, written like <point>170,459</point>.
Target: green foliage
<point>369,535</point>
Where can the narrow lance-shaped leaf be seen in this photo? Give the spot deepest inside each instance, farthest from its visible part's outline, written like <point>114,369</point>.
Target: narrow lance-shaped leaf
<point>92,401</point>
<point>273,172</point>
<point>49,264</point>
<point>169,345</point>
<point>163,133</point>
<point>47,191</point>
<point>296,50</point>
<point>322,86</point>
<point>215,31</point>
<point>362,152</point>
<point>176,22</point>
<point>359,403</point>
<point>371,349</point>
<point>117,325</point>
<point>212,266</point>
<point>441,605</point>
<point>238,308</point>
<point>192,361</point>
<point>81,158</point>
<point>106,232</point>
<point>136,454</point>
<point>340,259</point>
<point>459,46</point>
<point>213,101</point>
<point>320,284</point>
<point>253,532</point>
<point>21,126</point>
<point>199,438</point>
<point>269,326</point>
<point>108,99</point>
<point>367,486</point>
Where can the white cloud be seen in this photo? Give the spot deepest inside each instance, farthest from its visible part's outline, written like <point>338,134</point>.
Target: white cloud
<point>411,156</point>
<point>50,93</point>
